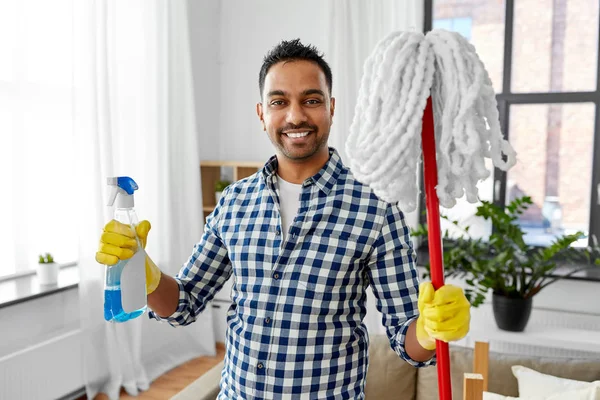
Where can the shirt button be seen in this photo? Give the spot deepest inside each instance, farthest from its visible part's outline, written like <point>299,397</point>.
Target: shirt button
<point>276,275</point>
<point>277,232</point>
<point>267,320</point>
<point>260,365</point>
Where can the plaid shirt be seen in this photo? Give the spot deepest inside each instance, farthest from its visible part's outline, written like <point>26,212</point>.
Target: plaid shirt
<point>294,328</point>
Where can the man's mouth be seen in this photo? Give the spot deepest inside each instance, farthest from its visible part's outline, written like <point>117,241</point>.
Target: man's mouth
<point>296,135</point>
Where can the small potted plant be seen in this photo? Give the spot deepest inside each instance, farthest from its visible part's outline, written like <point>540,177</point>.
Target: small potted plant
<point>47,270</point>
<point>506,265</point>
<point>219,187</point>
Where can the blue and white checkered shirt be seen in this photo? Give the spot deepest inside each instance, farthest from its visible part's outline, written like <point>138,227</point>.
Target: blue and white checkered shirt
<point>295,327</point>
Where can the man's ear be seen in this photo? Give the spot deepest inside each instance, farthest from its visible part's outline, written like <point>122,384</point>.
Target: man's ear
<point>332,106</point>
<point>259,112</point>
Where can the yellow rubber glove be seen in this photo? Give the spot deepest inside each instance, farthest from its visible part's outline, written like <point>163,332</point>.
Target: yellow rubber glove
<point>445,314</point>
<point>118,243</point>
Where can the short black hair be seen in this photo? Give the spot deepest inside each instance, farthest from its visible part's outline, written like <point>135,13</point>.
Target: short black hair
<point>293,50</point>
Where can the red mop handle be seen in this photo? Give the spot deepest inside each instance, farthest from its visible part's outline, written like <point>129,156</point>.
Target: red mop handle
<point>435,240</point>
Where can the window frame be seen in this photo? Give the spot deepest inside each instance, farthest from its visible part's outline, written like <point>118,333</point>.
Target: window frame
<point>508,98</point>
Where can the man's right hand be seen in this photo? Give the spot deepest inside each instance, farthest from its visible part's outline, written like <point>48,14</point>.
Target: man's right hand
<point>118,243</point>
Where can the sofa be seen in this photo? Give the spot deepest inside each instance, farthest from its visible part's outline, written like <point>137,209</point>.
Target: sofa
<point>389,377</point>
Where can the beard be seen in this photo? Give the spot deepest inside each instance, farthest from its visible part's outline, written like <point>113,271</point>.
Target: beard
<point>299,150</point>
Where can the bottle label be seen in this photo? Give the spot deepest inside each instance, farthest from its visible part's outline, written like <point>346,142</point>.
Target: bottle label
<point>133,282</point>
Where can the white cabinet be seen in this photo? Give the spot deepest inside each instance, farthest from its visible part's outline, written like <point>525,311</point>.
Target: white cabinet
<point>219,308</point>
<point>225,292</point>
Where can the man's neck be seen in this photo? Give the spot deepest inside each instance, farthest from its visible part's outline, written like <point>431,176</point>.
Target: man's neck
<point>298,171</point>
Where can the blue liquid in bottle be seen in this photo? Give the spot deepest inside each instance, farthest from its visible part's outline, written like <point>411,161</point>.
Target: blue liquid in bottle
<point>125,282</point>
<point>113,305</point>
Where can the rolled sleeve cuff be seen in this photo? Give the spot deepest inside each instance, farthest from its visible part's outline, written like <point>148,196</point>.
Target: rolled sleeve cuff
<point>401,349</point>
<point>181,315</point>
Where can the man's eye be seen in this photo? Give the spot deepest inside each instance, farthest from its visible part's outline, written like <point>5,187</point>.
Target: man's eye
<point>313,101</point>
<point>277,103</point>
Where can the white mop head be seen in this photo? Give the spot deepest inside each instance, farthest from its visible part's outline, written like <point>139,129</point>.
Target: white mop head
<point>384,146</point>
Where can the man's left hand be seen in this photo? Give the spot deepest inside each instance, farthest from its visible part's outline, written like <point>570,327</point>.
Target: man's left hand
<point>445,314</point>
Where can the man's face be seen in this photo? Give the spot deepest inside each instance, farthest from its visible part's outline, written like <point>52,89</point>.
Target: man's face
<point>297,109</point>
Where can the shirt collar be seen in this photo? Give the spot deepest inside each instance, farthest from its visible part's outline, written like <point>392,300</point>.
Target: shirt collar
<point>324,179</point>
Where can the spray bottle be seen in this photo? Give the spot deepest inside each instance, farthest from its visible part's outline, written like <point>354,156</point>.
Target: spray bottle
<point>125,282</point>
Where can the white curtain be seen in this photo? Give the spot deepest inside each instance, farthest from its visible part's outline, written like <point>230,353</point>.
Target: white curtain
<point>356,26</point>
<point>134,113</point>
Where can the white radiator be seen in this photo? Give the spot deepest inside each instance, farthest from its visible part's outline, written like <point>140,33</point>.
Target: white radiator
<point>582,339</point>
<point>46,370</point>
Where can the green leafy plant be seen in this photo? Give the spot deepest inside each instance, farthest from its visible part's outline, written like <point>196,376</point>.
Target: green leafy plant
<point>504,263</point>
<point>46,259</point>
<point>221,185</point>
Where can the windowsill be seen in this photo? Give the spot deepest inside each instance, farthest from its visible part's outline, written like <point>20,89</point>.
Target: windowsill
<point>25,288</point>
<point>540,332</point>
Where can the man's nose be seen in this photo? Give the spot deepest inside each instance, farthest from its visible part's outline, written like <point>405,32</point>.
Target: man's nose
<point>296,114</point>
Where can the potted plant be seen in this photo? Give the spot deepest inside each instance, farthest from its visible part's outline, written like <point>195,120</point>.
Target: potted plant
<point>47,270</point>
<point>220,185</point>
<point>505,264</point>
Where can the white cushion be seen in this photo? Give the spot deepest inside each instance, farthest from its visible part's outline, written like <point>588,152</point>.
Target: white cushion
<point>532,383</point>
<point>590,393</point>
<point>496,396</point>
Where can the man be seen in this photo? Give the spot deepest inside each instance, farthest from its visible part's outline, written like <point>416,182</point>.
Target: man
<point>303,240</point>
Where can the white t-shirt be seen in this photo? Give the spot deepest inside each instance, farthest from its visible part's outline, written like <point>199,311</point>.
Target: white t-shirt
<point>289,203</point>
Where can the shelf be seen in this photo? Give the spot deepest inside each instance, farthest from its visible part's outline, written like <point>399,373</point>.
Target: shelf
<point>211,172</point>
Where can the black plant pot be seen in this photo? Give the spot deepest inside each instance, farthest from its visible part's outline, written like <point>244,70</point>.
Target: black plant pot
<point>511,314</point>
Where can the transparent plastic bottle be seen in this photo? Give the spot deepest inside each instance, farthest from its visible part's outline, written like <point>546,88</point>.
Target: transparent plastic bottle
<point>125,282</point>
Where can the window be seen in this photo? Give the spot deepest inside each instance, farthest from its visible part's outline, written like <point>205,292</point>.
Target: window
<point>543,58</point>
<point>36,134</point>
<point>554,143</point>
<point>460,25</point>
<point>483,25</point>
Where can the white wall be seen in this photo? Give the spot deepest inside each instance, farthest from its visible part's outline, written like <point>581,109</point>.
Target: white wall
<point>249,29</point>
<point>205,43</point>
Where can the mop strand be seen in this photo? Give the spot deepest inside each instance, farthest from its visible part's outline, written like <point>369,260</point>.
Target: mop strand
<point>384,145</point>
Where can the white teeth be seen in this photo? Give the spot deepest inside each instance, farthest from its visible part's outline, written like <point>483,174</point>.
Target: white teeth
<point>297,135</point>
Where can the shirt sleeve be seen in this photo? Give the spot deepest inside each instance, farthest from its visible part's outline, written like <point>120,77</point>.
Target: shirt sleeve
<point>393,276</point>
<point>204,273</point>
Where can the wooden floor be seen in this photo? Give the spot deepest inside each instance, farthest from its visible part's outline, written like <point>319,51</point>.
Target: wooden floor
<point>175,380</point>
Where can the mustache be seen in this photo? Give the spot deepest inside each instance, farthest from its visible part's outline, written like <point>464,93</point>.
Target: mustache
<point>290,127</point>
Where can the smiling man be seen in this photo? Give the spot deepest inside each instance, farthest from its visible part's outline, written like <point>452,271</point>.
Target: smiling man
<point>297,111</point>
<point>303,240</point>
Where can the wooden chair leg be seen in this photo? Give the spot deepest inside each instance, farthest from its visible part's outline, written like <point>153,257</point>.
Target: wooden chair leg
<point>481,361</point>
<point>473,387</point>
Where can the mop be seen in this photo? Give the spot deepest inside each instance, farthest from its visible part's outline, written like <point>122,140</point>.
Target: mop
<point>418,91</point>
